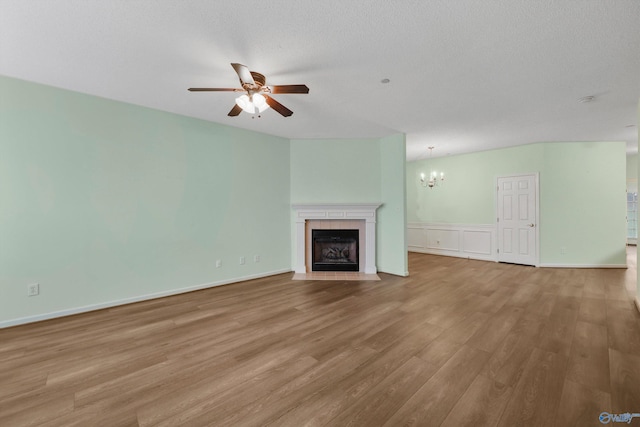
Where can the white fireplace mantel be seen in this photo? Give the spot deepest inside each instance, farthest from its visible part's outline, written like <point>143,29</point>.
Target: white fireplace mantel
<point>337,211</point>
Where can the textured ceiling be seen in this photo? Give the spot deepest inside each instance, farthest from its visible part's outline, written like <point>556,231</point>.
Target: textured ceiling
<point>465,75</point>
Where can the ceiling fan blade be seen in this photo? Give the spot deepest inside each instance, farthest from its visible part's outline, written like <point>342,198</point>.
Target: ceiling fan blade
<point>214,89</point>
<point>289,89</point>
<point>277,106</point>
<point>243,73</point>
<point>235,111</point>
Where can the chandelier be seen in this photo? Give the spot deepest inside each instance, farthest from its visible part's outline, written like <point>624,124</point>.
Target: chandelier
<point>433,175</point>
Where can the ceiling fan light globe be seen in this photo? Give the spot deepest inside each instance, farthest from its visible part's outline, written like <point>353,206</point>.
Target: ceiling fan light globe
<point>260,102</point>
<point>245,103</point>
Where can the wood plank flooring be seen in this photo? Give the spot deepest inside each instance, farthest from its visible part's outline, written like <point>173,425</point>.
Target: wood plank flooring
<point>459,342</point>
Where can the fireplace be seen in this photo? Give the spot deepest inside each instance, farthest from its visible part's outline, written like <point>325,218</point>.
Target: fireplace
<point>335,250</point>
<point>336,216</point>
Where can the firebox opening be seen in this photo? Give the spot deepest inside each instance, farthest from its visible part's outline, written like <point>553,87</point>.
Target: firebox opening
<point>335,250</point>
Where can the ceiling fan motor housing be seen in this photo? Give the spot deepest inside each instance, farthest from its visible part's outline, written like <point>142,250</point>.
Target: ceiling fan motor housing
<point>260,79</point>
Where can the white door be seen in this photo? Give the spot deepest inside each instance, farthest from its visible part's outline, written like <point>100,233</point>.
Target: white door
<point>517,219</point>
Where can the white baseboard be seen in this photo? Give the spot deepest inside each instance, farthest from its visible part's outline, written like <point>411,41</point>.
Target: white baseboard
<point>395,273</point>
<point>454,254</point>
<point>109,304</point>
<point>547,265</point>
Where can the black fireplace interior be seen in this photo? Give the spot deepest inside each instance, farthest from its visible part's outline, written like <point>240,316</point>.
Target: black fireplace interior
<point>335,250</point>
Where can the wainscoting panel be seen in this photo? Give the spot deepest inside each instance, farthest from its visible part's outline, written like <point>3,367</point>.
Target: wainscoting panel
<point>415,238</point>
<point>477,241</point>
<point>443,239</point>
<point>474,241</point>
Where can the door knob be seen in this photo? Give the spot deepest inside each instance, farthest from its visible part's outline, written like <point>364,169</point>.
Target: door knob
<point>532,225</point>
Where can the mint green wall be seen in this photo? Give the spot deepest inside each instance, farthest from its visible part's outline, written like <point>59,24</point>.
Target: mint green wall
<point>103,201</point>
<point>357,171</point>
<point>632,172</point>
<point>583,203</point>
<point>335,170</point>
<point>580,209</point>
<point>391,238</point>
<point>466,196</point>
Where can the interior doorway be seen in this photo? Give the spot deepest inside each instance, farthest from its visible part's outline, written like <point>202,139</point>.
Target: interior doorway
<point>517,219</point>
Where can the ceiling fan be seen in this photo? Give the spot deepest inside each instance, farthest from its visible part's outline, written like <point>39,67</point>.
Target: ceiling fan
<point>256,93</point>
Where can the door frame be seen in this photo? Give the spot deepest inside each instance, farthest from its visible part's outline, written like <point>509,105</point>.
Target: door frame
<point>536,179</point>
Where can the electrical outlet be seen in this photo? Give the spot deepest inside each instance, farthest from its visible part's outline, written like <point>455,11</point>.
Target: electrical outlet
<point>256,258</point>
<point>218,263</point>
<point>241,260</point>
<point>33,289</point>
<point>563,250</point>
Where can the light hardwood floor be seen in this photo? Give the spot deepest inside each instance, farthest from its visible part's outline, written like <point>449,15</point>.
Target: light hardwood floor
<point>459,342</point>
